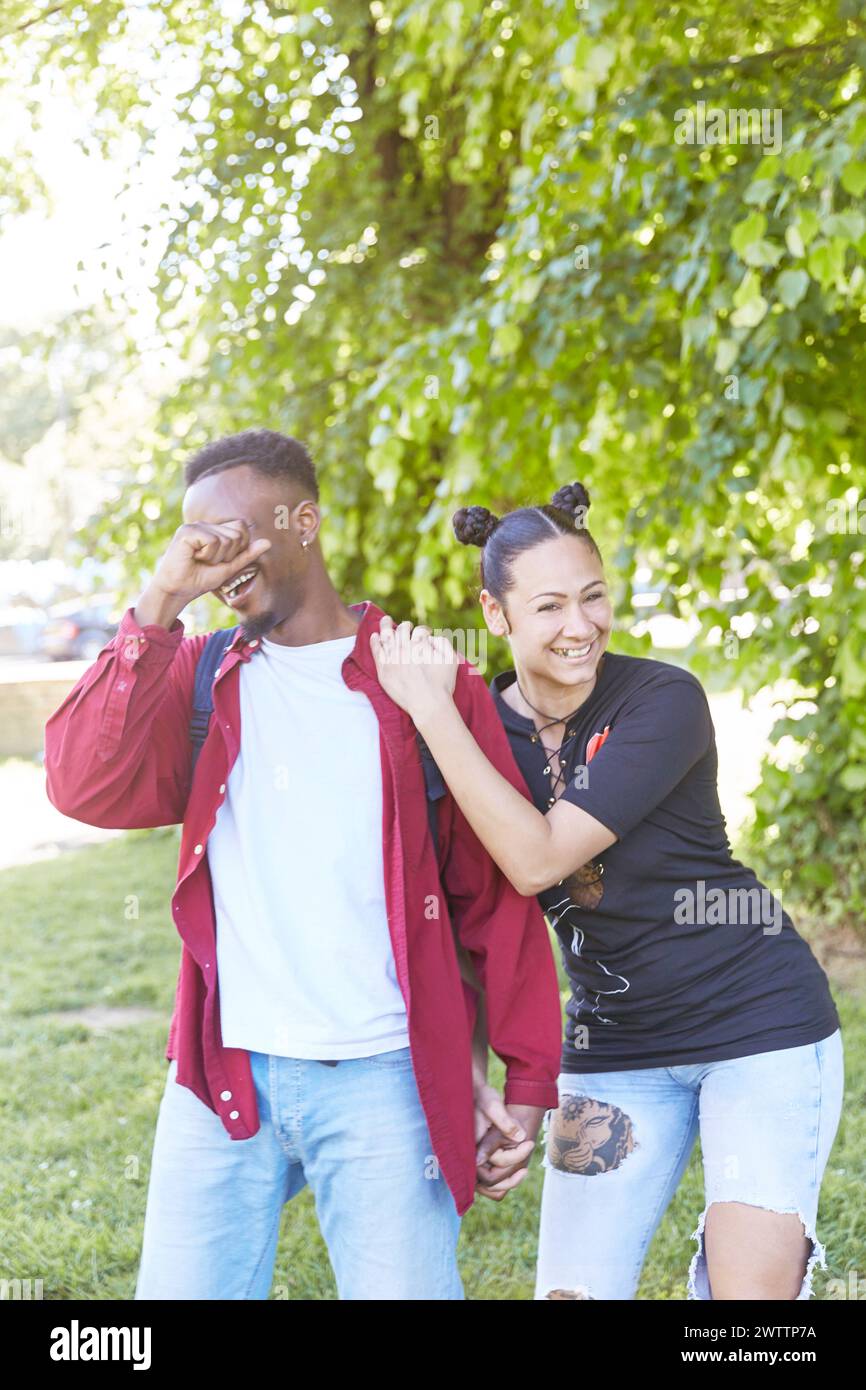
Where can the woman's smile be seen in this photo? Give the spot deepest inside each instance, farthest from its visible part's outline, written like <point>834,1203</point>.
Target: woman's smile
<point>575,654</point>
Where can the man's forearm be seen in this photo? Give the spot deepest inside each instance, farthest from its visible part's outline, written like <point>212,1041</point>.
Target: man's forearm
<point>158,608</point>
<point>480,1045</point>
<point>117,750</point>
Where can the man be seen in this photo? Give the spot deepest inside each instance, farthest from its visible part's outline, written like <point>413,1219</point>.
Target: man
<point>320,1017</point>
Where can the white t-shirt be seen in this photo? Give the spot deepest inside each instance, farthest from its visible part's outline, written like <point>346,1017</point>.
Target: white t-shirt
<point>304,955</point>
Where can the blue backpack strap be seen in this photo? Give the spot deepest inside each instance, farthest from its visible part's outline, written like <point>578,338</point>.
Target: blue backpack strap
<point>435,787</point>
<point>209,660</point>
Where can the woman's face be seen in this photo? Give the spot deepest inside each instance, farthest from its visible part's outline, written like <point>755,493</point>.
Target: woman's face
<point>558,610</point>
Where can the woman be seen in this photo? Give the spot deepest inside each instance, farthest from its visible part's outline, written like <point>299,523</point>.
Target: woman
<point>695,1005</point>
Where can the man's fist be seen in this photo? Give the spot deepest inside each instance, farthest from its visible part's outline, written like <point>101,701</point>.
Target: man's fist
<point>201,558</point>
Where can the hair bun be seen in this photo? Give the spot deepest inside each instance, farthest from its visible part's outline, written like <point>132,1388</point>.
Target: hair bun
<point>474,525</point>
<point>573,498</point>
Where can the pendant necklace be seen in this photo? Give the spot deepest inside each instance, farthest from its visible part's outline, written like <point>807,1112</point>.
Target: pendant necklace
<point>567,737</point>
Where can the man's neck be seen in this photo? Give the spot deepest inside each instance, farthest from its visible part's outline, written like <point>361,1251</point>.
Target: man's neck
<point>322,618</point>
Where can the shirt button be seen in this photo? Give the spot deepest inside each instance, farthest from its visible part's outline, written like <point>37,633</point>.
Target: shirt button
<point>233,1114</point>
<point>198,849</point>
<point>216,672</point>
<point>222,787</point>
<point>255,642</point>
<point>225,1095</point>
<point>550,800</point>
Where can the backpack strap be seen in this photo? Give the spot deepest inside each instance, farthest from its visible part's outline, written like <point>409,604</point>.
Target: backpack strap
<point>209,660</point>
<point>435,787</point>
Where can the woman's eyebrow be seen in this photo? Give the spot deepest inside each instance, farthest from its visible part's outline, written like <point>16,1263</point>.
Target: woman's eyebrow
<point>552,593</point>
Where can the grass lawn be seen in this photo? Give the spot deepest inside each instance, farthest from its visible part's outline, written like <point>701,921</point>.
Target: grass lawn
<point>87,936</point>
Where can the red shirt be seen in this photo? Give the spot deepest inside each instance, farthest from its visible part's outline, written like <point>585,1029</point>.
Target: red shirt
<point>118,755</point>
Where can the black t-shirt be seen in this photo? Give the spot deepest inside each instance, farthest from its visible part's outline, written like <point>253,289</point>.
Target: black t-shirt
<point>675,951</point>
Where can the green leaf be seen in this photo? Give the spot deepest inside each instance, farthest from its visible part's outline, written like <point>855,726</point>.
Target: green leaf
<point>726,355</point>
<point>827,261</point>
<point>791,287</point>
<point>747,232</point>
<point>794,241</point>
<point>763,252</point>
<point>798,163</point>
<point>853,178</point>
<point>848,225</point>
<point>808,224</point>
<point>794,417</point>
<point>527,291</point>
<point>750,315</point>
<point>851,666</point>
<point>759,192</point>
<point>751,305</point>
<point>506,340</point>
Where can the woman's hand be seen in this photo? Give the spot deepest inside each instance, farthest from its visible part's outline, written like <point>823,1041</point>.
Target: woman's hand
<point>503,1148</point>
<point>504,1151</point>
<point>415,668</point>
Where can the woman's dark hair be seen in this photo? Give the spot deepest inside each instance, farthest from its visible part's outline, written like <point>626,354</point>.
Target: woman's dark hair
<point>502,539</point>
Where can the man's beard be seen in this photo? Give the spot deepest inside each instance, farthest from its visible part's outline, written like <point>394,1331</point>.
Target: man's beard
<point>259,625</point>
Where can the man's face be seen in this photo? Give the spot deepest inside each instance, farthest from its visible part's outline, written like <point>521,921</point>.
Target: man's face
<point>274,508</point>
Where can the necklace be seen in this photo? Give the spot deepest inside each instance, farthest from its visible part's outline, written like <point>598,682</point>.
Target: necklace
<point>551,718</point>
<point>558,753</point>
<point>556,719</point>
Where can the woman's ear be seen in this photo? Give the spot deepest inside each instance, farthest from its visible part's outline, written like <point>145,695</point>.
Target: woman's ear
<point>493,614</point>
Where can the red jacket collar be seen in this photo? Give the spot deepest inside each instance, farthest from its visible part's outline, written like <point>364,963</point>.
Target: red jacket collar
<point>370,615</point>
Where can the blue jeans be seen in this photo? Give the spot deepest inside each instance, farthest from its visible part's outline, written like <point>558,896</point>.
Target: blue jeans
<point>355,1132</point>
<point>619,1142</point>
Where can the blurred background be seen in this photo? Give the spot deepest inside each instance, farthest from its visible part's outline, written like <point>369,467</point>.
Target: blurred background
<point>467,251</point>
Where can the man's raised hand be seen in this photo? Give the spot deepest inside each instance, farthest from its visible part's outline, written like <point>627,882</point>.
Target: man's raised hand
<point>202,557</point>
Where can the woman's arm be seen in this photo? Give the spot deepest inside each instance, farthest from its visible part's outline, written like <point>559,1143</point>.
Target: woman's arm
<point>662,731</point>
<point>533,850</point>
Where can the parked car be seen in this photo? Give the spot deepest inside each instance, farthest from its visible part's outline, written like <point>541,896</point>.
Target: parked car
<point>21,628</point>
<point>78,629</point>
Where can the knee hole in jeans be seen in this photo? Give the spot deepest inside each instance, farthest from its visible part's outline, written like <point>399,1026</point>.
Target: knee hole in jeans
<point>698,1278</point>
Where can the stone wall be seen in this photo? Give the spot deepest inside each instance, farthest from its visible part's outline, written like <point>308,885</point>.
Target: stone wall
<point>30,692</point>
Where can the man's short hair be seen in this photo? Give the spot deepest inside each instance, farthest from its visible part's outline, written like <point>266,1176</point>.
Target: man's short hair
<point>275,455</point>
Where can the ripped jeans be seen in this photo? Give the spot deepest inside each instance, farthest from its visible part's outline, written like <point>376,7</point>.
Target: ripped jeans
<point>619,1143</point>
